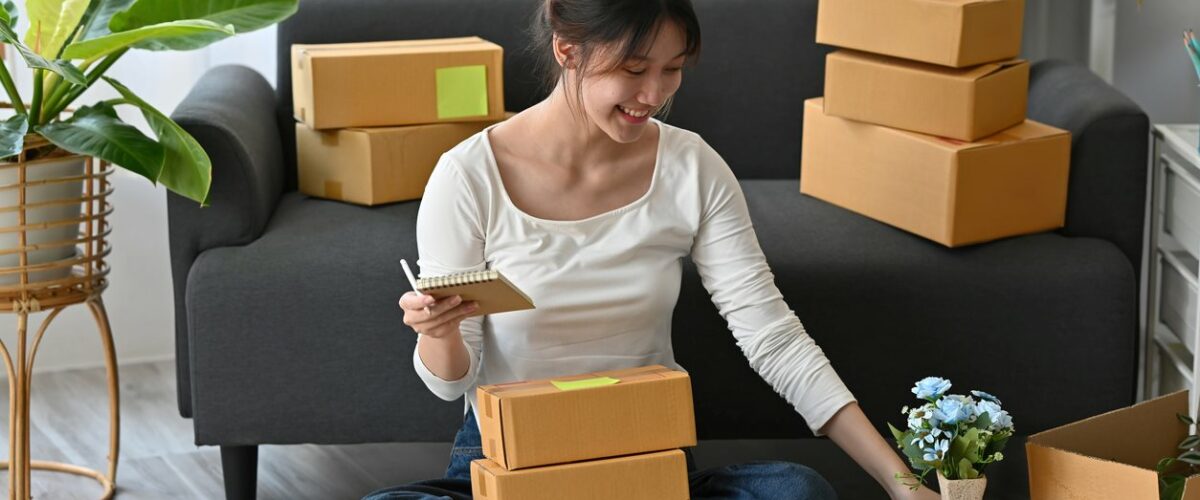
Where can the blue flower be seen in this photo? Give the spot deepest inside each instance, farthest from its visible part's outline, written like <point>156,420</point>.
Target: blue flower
<point>1000,418</point>
<point>938,451</point>
<point>985,396</point>
<point>954,409</point>
<point>931,387</point>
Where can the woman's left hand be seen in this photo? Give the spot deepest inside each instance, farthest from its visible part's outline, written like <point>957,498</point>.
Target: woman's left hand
<point>922,493</point>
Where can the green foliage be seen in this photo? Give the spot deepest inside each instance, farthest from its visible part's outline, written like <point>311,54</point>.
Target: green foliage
<point>1174,471</point>
<point>69,46</point>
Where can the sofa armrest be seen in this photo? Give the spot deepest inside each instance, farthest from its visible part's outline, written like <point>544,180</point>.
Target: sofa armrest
<point>1110,138</point>
<point>231,113</point>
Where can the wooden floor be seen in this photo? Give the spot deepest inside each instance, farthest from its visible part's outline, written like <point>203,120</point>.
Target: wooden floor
<point>158,460</point>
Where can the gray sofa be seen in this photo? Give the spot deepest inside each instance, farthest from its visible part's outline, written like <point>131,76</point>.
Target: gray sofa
<point>287,329</point>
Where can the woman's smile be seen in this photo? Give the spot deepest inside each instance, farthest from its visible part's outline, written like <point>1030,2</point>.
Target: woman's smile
<point>634,116</point>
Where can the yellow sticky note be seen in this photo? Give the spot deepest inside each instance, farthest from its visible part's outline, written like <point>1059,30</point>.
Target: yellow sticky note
<point>586,383</point>
<point>462,91</point>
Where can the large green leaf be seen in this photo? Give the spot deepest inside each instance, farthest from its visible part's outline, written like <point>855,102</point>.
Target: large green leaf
<point>51,23</point>
<point>12,135</point>
<point>193,31</point>
<point>33,60</point>
<point>244,15</point>
<point>186,168</point>
<point>100,14</point>
<point>8,13</point>
<point>100,134</point>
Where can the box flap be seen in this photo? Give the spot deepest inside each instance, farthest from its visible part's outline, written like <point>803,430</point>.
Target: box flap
<point>1025,131</point>
<point>978,72</point>
<point>1028,130</point>
<point>469,44</point>
<point>538,387</point>
<point>967,73</point>
<point>958,2</point>
<point>385,44</point>
<point>1132,435</point>
<point>1191,488</point>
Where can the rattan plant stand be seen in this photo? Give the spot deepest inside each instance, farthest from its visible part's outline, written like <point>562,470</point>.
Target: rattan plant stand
<point>83,278</point>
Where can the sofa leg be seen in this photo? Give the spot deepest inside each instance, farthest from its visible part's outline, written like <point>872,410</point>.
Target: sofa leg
<point>240,467</point>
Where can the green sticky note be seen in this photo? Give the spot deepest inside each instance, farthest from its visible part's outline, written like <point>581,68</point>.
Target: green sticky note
<point>462,91</point>
<point>583,384</point>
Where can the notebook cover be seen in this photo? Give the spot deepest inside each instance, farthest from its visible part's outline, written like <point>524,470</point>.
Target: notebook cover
<point>495,296</point>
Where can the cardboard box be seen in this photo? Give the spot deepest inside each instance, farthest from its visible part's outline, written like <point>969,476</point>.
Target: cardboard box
<point>397,83</point>
<point>651,476</point>
<point>534,423</point>
<point>372,166</point>
<point>948,32</point>
<point>952,192</point>
<point>1110,456</point>
<point>960,103</point>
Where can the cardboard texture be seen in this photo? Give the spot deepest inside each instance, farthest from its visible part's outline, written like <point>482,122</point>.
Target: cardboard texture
<point>534,423</point>
<point>952,192</point>
<point>953,33</point>
<point>397,83</point>
<point>372,166</point>
<point>651,476</point>
<point>960,103</point>
<point>1110,456</point>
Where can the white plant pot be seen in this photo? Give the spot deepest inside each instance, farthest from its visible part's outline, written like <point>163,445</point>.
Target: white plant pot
<point>961,489</point>
<point>51,168</point>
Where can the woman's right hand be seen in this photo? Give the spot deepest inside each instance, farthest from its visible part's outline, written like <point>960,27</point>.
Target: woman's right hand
<point>443,317</point>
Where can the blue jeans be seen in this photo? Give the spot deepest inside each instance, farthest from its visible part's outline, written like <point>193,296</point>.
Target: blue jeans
<point>749,481</point>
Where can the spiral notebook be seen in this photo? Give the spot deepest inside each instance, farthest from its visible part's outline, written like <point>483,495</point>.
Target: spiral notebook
<point>491,289</point>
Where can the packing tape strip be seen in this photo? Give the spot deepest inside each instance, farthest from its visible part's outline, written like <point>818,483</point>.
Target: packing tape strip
<point>587,383</point>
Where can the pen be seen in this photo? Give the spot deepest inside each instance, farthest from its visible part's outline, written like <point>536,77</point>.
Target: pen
<point>413,281</point>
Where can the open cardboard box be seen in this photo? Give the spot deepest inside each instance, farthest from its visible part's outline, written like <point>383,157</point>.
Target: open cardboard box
<point>1110,456</point>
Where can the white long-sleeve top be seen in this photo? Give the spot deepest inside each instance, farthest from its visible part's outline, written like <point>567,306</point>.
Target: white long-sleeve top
<point>605,287</point>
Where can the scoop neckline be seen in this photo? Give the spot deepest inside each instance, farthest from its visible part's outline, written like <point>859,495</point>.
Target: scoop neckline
<point>494,166</point>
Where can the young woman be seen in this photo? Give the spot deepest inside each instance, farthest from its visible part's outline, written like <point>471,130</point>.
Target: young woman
<point>589,204</point>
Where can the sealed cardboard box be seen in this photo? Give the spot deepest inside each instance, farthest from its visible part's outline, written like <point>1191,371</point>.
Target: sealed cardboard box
<point>375,165</point>
<point>960,103</point>
<point>952,192</point>
<point>397,83</point>
<point>584,417</point>
<point>1111,456</point>
<point>651,476</point>
<point>948,32</point>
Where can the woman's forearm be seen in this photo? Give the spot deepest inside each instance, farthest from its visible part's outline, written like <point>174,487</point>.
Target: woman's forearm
<point>446,356</point>
<point>854,434</point>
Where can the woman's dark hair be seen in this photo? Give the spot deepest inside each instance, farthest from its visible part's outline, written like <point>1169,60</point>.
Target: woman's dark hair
<point>626,26</point>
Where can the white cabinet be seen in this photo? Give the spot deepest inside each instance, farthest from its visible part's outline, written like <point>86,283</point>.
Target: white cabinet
<point>1171,334</point>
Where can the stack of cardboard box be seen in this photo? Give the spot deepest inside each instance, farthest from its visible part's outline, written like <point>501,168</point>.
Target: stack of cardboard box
<point>602,435</point>
<point>375,117</point>
<point>923,125</point>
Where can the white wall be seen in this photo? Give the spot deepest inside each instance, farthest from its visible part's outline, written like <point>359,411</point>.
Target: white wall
<point>139,298</point>
<point>1150,64</point>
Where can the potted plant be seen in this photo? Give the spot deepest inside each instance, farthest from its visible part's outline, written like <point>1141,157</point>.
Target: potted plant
<point>953,435</point>
<point>68,47</point>
<point>1174,471</point>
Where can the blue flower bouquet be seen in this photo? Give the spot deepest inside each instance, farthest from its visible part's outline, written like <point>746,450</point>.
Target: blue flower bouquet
<point>954,435</point>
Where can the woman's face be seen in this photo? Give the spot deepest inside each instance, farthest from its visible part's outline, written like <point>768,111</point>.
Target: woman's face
<point>622,101</point>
